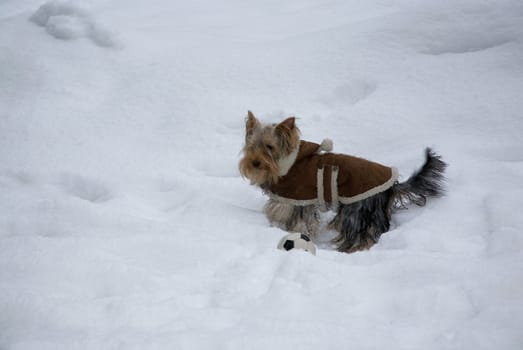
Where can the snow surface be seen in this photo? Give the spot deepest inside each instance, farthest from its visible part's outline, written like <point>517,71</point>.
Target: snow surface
<point>125,224</point>
<point>68,20</point>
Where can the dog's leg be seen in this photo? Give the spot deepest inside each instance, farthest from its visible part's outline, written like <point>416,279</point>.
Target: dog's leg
<point>361,224</point>
<point>303,219</point>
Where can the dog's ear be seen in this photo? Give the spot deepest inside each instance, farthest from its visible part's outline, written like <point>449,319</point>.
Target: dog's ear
<point>250,124</point>
<point>287,133</point>
<point>288,123</point>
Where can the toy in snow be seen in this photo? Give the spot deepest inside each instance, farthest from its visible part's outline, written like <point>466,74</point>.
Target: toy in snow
<point>297,240</point>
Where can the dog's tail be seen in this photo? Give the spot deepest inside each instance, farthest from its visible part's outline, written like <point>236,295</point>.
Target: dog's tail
<point>428,181</point>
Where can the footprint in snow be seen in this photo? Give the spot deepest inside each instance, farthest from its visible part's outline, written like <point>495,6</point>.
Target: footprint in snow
<point>86,189</point>
<point>350,93</point>
<point>67,21</point>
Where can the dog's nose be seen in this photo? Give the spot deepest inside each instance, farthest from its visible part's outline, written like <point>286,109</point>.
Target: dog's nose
<point>255,163</point>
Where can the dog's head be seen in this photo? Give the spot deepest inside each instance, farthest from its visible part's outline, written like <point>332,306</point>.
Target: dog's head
<point>266,145</point>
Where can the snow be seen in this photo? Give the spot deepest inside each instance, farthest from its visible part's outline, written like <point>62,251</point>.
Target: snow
<point>125,224</point>
<point>67,20</point>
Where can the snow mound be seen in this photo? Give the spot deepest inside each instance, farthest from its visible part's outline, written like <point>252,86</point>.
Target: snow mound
<point>66,20</point>
<point>439,30</point>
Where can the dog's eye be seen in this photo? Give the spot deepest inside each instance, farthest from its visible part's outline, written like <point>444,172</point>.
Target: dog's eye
<point>269,147</point>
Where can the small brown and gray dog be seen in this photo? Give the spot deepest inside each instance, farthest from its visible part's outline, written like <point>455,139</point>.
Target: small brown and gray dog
<point>303,178</point>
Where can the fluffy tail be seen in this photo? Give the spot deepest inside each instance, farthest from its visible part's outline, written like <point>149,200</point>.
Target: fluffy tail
<point>428,181</point>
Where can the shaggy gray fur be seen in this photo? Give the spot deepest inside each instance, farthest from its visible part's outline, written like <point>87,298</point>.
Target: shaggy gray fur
<point>361,224</point>
<point>304,219</point>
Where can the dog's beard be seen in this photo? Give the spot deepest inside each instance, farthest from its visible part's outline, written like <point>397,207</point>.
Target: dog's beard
<point>265,173</point>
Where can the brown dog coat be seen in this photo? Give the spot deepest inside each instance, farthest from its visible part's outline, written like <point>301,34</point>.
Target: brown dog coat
<point>309,176</point>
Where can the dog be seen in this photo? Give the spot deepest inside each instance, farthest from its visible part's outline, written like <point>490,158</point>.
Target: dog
<point>303,178</point>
